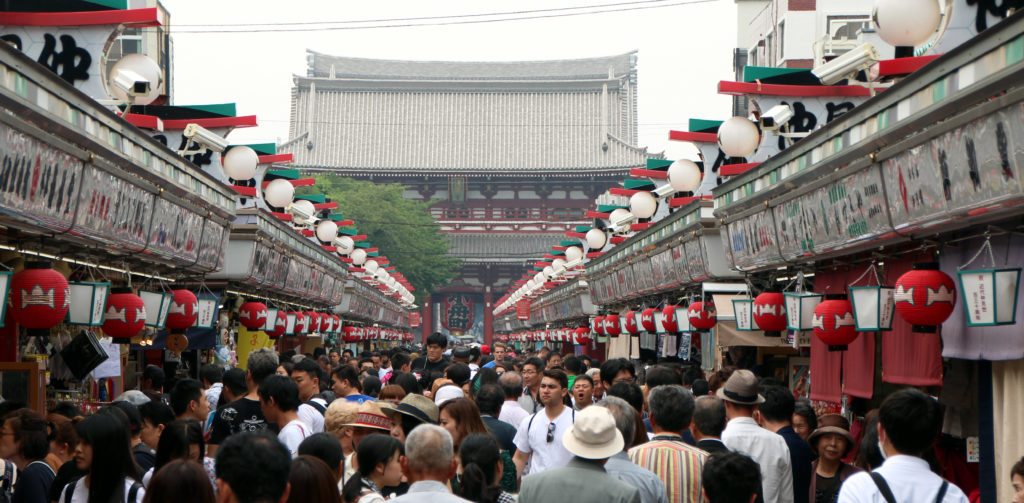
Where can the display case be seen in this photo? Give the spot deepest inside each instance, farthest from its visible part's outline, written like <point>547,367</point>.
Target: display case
<point>24,382</point>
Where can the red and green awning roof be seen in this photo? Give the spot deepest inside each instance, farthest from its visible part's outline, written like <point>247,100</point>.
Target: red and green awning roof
<point>209,116</point>
<point>64,5</point>
<point>700,131</point>
<point>788,76</point>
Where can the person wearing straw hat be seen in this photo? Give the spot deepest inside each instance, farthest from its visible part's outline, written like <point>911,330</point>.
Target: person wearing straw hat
<point>831,441</point>
<point>742,434</point>
<point>592,439</point>
<point>411,412</point>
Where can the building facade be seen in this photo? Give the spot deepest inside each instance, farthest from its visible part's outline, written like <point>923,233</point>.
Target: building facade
<point>513,153</point>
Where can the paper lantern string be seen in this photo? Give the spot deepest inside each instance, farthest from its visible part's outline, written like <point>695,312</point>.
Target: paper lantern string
<point>987,245</point>
<point>870,269</point>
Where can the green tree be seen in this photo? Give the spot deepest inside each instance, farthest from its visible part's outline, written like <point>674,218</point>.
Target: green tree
<point>403,229</point>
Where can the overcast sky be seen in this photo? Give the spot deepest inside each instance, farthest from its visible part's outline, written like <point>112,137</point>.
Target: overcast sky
<point>684,51</point>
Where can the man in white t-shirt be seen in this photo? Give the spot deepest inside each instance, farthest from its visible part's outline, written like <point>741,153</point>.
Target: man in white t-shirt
<point>539,437</point>
<point>279,400</point>
<point>306,375</point>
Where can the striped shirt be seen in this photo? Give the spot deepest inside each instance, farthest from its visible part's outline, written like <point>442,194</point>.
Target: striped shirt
<point>677,464</point>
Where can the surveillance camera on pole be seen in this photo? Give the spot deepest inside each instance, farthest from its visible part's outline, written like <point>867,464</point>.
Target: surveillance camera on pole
<point>776,118</point>
<point>847,65</point>
<point>205,138</point>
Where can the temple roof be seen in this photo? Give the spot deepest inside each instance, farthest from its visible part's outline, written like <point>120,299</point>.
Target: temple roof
<point>501,247</point>
<point>365,116</point>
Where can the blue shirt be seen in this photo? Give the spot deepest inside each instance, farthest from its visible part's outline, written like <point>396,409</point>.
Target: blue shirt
<point>359,398</point>
<point>800,458</point>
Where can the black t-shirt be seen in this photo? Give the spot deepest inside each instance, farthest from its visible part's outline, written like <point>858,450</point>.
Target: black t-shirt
<point>236,417</point>
<point>33,485</point>
<point>826,489</point>
<point>426,371</point>
<point>68,471</point>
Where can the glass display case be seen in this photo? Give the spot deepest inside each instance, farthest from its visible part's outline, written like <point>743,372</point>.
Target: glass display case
<point>24,382</point>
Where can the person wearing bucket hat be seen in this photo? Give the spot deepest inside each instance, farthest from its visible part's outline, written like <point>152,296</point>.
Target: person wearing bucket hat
<point>592,439</point>
<point>832,442</point>
<point>369,419</point>
<point>411,412</point>
<point>742,434</point>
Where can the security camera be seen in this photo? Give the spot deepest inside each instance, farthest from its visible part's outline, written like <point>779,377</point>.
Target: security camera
<point>301,215</point>
<point>664,191</point>
<point>205,137</point>
<point>847,65</point>
<point>131,83</point>
<point>776,117</point>
<point>624,221</point>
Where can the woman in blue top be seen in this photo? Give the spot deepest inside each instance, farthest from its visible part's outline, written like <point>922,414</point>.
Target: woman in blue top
<point>25,441</point>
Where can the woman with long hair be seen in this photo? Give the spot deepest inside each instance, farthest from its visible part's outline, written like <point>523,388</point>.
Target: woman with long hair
<point>62,445</point>
<point>311,480</point>
<point>481,470</point>
<point>379,458</point>
<point>180,480</point>
<point>181,439</point>
<point>25,441</point>
<point>104,454</point>
<point>461,418</point>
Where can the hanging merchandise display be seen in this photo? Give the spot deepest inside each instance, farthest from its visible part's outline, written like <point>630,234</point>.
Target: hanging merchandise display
<point>40,297</point>
<point>184,311</point>
<point>925,297</point>
<point>702,315</point>
<point>770,313</point>
<point>833,322</point>
<point>125,315</point>
<point>253,315</point>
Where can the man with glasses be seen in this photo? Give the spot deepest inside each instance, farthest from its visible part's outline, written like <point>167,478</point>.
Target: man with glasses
<point>533,369</point>
<point>617,370</point>
<point>539,437</point>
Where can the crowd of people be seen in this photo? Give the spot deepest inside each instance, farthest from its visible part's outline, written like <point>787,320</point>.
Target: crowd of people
<point>463,424</point>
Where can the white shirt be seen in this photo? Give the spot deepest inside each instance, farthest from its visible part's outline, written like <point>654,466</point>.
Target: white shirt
<point>544,454</point>
<point>293,434</point>
<point>81,494</point>
<point>512,413</point>
<point>312,417</point>
<point>910,479</point>
<point>213,395</point>
<point>769,450</point>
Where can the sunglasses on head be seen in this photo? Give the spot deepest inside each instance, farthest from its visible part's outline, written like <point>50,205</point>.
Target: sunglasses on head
<point>551,432</point>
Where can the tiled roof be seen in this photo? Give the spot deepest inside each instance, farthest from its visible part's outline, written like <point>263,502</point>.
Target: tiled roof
<point>508,248</point>
<point>522,117</point>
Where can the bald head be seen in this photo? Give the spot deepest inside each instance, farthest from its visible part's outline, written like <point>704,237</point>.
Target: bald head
<point>511,384</point>
<point>709,417</point>
<point>429,452</point>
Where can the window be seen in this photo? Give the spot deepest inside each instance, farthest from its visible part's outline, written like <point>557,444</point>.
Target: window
<point>846,28</point>
<point>770,50</point>
<point>782,41</point>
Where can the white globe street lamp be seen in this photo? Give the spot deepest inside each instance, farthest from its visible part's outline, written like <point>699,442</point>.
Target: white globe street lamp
<point>326,231</point>
<point>907,23</point>
<point>279,193</point>
<point>643,204</point>
<point>738,137</point>
<point>684,176</point>
<point>240,163</point>
<point>596,239</point>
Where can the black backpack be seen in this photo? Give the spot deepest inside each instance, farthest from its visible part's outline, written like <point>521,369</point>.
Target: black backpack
<point>133,492</point>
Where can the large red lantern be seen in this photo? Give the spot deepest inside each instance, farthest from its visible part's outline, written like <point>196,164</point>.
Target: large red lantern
<point>833,322</point>
<point>703,316</point>
<point>631,325</point>
<point>184,311</point>
<point>350,334</point>
<point>770,313</point>
<point>280,325</point>
<point>40,297</point>
<point>925,296</point>
<point>599,325</point>
<point>582,336</point>
<point>612,325</point>
<point>126,315</point>
<point>253,315</point>
<point>301,323</point>
<point>669,320</point>
<point>314,321</point>
<point>647,320</point>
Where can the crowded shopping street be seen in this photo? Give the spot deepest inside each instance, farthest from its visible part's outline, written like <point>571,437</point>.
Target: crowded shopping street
<point>647,251</point>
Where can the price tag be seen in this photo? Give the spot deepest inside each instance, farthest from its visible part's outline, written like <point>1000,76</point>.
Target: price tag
<point>973,450</point>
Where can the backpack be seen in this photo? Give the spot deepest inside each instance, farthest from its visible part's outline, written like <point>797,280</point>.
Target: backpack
<point>318,406</point>
<point>69,491</point>
<point>883,487</point>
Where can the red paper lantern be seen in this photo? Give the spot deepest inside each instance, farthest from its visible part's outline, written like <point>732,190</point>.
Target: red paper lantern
<point>301,323</point>
<point>280,325</point>
<point>350,334</point>
<point>925,297</point>
<point>314,321</point>
<point>126,315</point>
<point>253,315</point>
<point>582,336</point>
<point>703,316</point>
<point>40,297</point>
<point>599,325</point>
<point>647,320</point>
<point>612,325</point>
<point>770,313</point>
<point>833,323</point>
<point>631,325</point>
<point>184,311</point>
<point>669,321</point>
